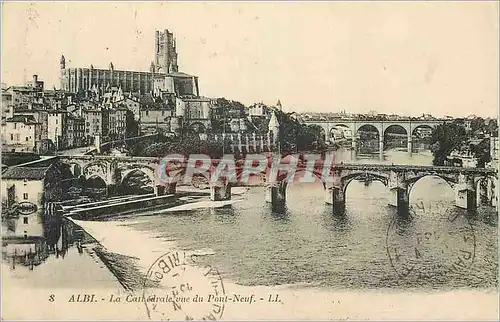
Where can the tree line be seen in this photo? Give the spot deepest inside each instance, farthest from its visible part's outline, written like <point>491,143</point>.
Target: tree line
<point>448,137</point>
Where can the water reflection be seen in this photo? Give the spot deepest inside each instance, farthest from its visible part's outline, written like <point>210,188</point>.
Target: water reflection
<point>367,247</point>
<point>421,156</point>
<point>33,251</point>
<point>445,248</point>
<point>308,244</point>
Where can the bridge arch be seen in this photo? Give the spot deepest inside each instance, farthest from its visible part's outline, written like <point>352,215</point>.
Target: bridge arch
<point>97,178</point>
<point>137,181</point>
<point>369,136</point>
<point>422,130</point>
<point>450,181</point>
<point>76,169</point>
<point>340,129</point>
<point>97,167</point>
<point>370,127</point>
<point>317,175</point>
<point>150,173</point>
<point>95,186</point>
<point>396,128</point>
<point>346,180</point>
<point>199,180</point>
<point>399,135</point>
<point>319,130</point>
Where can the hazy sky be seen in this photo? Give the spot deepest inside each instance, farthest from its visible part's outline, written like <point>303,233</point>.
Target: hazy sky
<point>405,58</point>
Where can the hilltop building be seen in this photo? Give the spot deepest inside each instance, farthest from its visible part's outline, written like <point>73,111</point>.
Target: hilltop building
<point>163,74</point>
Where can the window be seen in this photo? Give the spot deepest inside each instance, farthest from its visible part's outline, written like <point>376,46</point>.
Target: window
<point>27,139</point>
<point>18,137</point>
<point>25,196</point>
<point>12,137</point>
<point>15,126</point>
<point>25,220</point>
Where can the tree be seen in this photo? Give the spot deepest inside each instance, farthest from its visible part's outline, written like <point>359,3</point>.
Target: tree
<point>132,126</point>
<point>492,127</point>
<point>228,108</point>
<point>295,136</point>
<point>482,152</point>
<point>477,125</point>
<point>445,138</point>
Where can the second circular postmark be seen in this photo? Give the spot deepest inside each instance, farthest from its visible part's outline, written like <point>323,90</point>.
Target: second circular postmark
<point>177,287</point>
<point>434,241</point>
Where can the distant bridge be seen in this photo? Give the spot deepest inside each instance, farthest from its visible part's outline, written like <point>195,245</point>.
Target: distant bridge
<point>105,146</point>
<point>467,183</point>
<point>381,126</point>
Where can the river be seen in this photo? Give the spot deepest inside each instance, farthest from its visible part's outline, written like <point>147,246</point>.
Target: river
<point>309,245</point>
<point>321,264</point>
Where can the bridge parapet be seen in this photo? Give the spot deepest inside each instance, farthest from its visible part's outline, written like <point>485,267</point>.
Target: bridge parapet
<point>405,168</point>
<point>399,179</point>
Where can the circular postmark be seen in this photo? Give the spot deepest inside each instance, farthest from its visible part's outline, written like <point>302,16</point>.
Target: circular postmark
<point>434,241</point>
<point>176,288</point>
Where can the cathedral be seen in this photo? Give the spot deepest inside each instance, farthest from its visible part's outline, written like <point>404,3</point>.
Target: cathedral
<point>163,75</point>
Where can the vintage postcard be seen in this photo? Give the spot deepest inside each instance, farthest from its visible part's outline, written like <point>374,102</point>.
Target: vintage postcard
<point>250,161</point>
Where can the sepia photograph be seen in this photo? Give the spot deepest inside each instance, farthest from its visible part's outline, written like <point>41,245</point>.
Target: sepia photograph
<point>184,160</point>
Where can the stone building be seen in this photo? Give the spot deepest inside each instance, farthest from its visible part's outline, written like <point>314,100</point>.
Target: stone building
<point>75,130</point>
<point>57,128</point>
<point>7,105</point>
<point>91,117</point>
<point>164,63</point>
<point>20,133</point>
<point>194,113</point>
<point>156,119</point>
<point>181,84</point>
<point>165,53</point>
<point>81,79</point>
<point>26,194</point>
<point>117,122</point>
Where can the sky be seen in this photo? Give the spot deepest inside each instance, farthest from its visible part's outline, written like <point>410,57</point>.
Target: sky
<point>406,58</point>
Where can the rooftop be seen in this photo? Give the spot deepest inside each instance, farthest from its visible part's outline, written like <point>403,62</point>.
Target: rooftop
<point>28,173</point>
<point>180,74</point>
<point>26,119</point>
<point>174,74</point>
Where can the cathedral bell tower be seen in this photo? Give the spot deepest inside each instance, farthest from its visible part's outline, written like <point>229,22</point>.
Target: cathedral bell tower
<point>165,52</point>
<point>62,62</point>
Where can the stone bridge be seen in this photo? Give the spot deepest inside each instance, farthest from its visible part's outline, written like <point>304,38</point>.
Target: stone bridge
<point>354,126</point>
<point>472,186</point>
<point>112,170</point>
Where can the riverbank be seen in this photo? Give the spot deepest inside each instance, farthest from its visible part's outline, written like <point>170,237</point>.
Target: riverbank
<point>297,302</point>
<point>125,254</point>
<point>50,291</point>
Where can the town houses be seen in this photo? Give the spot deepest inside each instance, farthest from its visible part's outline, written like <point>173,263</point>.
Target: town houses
<point>113,104</point>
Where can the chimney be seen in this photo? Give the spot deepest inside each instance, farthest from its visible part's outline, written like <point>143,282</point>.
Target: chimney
<point>35,79</point>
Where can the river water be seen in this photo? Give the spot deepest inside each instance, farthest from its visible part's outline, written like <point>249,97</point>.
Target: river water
<point>368,247</point>
<point>322,265</point>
